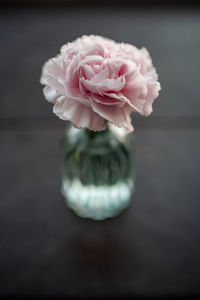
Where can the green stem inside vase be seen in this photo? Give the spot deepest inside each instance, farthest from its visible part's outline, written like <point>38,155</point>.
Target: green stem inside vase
<point>93,134</point>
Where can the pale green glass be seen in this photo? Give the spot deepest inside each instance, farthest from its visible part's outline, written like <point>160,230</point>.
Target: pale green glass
<point>98,177</point>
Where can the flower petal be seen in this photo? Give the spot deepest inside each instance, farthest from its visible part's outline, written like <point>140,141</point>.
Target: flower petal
<point>115,114</point>
<point>153,91</point>
<point>80,115</point>
<point>50,93</point>
<point>121,100</point>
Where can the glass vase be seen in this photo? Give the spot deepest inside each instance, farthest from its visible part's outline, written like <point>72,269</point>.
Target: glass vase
<point>98,171</point>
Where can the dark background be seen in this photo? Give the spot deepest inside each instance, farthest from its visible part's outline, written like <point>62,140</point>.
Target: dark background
<point>152,250</point>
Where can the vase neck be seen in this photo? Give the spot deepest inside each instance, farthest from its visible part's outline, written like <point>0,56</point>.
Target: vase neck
<point>95,134</point>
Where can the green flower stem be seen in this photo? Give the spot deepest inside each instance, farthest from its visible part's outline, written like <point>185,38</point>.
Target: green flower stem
<point>93,134</point>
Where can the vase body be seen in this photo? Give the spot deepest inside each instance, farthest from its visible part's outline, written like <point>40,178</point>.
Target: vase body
<point>98,171</point>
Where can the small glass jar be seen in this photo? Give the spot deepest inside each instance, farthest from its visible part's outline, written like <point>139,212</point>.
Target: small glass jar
<point>98,171</point>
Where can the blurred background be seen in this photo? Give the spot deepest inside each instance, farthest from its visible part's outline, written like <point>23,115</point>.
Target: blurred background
<point>152,249</point>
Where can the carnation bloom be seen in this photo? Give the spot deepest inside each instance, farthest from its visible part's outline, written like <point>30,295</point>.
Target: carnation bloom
<point>94,79</point>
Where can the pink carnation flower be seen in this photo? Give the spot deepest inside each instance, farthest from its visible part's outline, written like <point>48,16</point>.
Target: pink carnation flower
<point>94,79</point>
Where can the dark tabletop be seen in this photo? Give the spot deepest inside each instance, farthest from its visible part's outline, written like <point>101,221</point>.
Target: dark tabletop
<point>153,248</point>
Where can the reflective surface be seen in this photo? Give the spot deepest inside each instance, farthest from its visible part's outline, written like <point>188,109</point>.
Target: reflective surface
<point>97,171</point>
